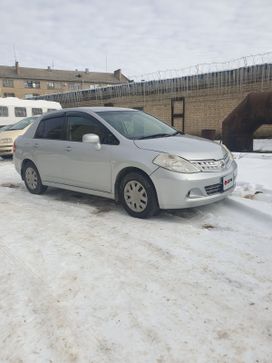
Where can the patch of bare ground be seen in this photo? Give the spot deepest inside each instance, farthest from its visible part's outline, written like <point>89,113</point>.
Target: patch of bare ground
<point>10,185</point>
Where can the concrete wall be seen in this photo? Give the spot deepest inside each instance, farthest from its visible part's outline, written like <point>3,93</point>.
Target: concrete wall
<point>204,109</point>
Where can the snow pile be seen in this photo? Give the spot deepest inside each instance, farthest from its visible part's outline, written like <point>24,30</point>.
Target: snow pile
<point>81,281</point>
<point>263,145</point>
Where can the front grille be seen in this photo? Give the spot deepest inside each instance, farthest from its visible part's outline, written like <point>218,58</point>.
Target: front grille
<point>212,165</point>
<point>214,189</point>
<point>6,148</point>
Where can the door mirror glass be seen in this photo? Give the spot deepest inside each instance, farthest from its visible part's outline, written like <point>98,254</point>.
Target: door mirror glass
<point>92,139</point>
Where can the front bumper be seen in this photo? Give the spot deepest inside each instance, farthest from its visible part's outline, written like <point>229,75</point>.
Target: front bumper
<point>177,190</point>
<point>5,150</point>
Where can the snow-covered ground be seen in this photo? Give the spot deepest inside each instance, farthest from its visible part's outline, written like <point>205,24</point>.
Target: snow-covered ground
<point>262,145</point>
<point>81,281</point>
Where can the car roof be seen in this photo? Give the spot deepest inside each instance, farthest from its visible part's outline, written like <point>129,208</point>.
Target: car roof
<point>92,109</point>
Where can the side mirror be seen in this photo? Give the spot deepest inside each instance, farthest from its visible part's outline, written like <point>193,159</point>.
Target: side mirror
<point>92,139</point>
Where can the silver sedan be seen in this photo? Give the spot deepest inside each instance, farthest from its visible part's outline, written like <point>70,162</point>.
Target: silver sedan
<point>126,155</point>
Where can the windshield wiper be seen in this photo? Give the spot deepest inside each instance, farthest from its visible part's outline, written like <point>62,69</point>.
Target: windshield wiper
<point>177,133</point>
<point>153,136</point>
<point>159,135</point>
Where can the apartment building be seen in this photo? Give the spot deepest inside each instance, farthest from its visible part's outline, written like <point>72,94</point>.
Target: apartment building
<point>24,82</point>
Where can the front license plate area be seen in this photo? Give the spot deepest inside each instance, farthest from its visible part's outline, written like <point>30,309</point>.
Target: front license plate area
<point>228,181</point>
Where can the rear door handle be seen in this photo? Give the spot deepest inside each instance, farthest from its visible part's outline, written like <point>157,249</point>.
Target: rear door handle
<point>68,148</point>
<point>36,145</point>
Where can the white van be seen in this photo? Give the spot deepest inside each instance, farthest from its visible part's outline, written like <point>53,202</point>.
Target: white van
<point>13,109</point>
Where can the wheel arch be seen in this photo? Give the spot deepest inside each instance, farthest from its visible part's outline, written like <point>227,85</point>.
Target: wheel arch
<point>122,173</point>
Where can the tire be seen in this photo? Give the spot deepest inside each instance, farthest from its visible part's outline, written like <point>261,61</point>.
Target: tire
<point>138,196</point>
<point>32,179</point>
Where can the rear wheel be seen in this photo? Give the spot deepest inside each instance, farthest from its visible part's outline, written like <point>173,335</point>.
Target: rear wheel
<point>32,179</point>
<point>138,196</point>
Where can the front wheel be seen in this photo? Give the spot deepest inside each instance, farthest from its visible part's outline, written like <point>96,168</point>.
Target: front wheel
<point>32,179</point>
<point>138,196</point>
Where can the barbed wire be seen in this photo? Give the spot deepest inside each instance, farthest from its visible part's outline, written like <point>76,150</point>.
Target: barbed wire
<point>222,77</point>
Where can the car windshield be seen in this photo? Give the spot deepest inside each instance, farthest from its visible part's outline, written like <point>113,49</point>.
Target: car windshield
<point>137,125</point>
<point>22,124</point>
<point>5,128</point>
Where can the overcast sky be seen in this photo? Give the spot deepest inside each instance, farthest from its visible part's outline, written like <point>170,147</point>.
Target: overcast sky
<point>138,36</point>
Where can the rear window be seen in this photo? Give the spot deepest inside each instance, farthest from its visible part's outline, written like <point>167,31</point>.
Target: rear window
<point>51,128</point>
<point>22,124</point>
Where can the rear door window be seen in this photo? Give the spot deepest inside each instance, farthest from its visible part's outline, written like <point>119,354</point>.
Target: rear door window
<point>51,128</point>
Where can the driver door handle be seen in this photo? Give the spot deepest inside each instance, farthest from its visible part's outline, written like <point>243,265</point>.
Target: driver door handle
<point>68,148</point>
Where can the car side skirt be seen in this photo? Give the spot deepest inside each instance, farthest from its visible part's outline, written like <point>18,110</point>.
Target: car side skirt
<point>79,189</point>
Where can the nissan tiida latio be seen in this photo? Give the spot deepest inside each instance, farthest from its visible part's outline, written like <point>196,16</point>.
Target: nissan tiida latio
<point>126,155</point>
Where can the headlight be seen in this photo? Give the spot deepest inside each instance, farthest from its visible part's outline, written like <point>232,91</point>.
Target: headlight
<point>175,163</point>
<point>228,152</point>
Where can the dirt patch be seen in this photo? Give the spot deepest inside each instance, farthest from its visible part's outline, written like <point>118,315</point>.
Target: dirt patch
<point>208,226</point>
<point>252,196</point>
<point>249,196</point>
<point>102,209</point>
<point>222,334</point>
<point>10,185</point>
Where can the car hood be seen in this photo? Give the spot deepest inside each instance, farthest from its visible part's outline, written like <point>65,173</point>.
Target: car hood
<point>185,146</point>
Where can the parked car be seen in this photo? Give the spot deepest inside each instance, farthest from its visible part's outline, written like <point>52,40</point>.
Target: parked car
<point>9,135</point>
<point>126,155</point>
